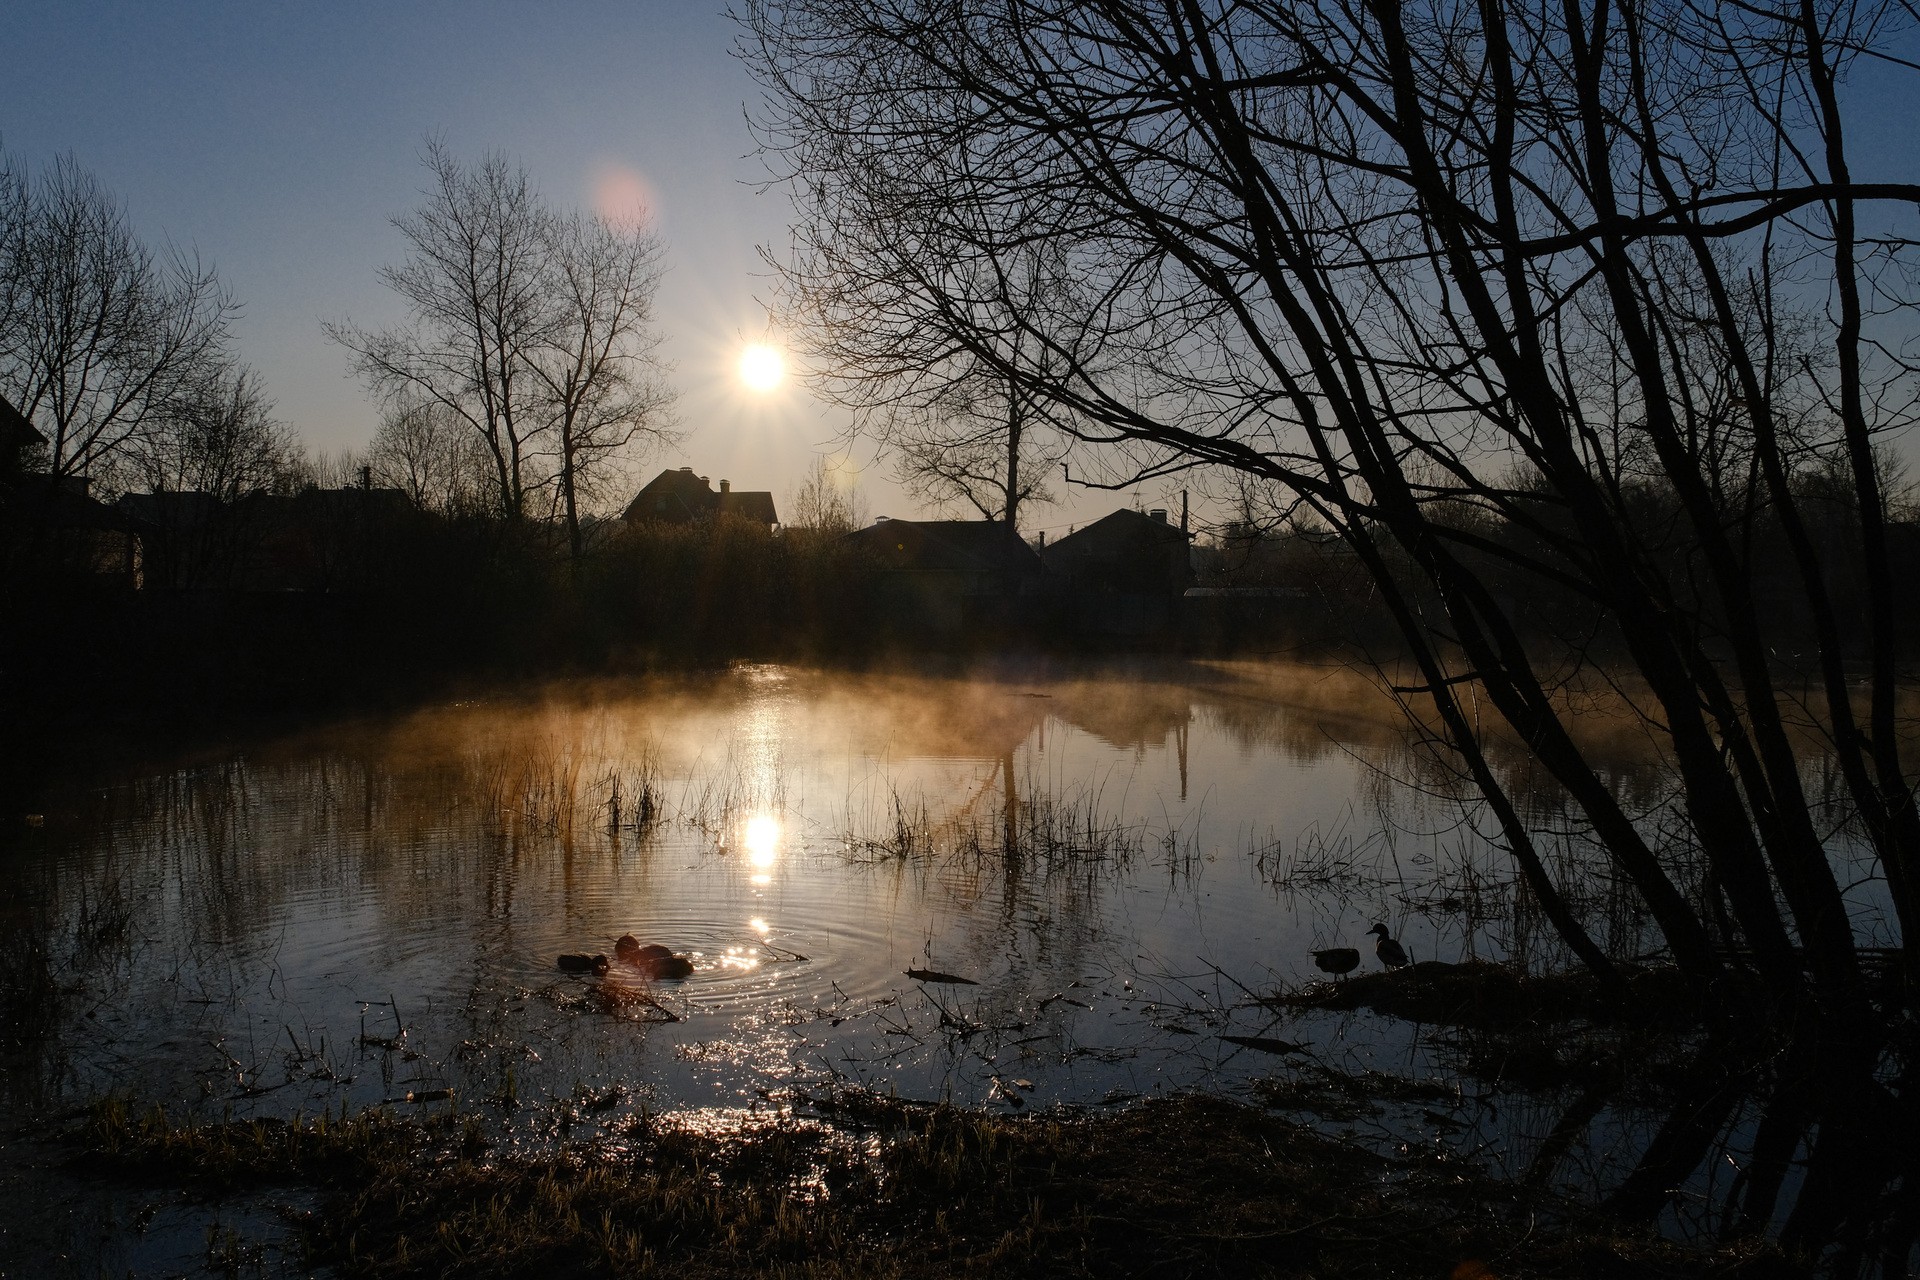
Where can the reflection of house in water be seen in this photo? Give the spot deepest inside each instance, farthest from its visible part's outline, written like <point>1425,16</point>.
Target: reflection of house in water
<point>52,531</point>
<point>681,497</point>
<point>1124,574</point>
<point>1130,715</point>
<point>944,576</point>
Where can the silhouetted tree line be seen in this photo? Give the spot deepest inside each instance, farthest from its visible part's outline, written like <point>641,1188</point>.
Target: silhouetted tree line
<point>1330,598</point>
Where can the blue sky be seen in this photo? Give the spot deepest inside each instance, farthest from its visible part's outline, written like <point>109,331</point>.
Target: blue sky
<point>276,139</point>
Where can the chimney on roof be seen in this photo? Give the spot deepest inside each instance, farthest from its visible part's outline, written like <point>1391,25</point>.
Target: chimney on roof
<point>726,486</point>
<point>686,471</point>
<point>1159,513</point>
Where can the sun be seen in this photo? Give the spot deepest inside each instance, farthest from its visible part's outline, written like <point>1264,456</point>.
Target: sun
<point>762,367</point>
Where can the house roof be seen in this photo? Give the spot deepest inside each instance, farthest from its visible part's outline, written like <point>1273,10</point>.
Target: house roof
<point>679,496</point>
<point>952,546</point>
<point>1119,534</point>
<point>16,432</point>
<point>346,504</point>
<point>62,504</point>
<point>173,508</point>
<point>1128,551</point>
<point>748,504</point>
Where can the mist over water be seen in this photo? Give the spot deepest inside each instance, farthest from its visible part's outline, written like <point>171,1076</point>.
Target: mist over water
<point>241,910</point>
<point>1117,860</point>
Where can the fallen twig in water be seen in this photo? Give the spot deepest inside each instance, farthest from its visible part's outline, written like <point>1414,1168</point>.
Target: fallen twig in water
<point>934,975</point>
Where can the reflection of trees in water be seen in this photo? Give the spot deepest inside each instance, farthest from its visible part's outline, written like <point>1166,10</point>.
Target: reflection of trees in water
<point>176,897</point>
<point>1733,1134</point>
<point>1426,841</point>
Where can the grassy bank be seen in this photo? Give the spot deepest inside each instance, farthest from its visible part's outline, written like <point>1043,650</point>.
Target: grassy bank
<point>867,1186</point>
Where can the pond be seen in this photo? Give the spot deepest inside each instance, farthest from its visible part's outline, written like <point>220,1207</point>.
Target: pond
<point>1102,856</point>
<point>1115,860</point>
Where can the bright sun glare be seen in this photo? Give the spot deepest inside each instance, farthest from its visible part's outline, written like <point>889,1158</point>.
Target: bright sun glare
<point>763,842</point>
<point>761,367</point>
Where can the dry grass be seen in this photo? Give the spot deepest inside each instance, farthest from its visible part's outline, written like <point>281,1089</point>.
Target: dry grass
<point>1181,1187</point>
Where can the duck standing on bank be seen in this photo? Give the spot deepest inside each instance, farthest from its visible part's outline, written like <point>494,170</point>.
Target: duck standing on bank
<point>1391,953</point>
<point>1337,961</point>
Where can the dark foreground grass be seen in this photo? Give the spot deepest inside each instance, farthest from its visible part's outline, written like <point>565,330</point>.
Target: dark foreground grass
<point>878,1188</point>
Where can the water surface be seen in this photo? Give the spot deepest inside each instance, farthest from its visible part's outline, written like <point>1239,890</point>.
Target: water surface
<point>1099,853</point>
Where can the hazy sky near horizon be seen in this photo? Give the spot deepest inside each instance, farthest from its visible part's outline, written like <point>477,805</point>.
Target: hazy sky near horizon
<point>277,140</point>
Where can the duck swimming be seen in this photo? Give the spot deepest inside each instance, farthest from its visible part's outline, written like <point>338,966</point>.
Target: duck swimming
<point>652,959</point>
<point>1391,953</point>
<point>572,963</point>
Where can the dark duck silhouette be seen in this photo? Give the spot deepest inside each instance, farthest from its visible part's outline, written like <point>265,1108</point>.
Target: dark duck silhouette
<point>583,964</point>
<point>1337,960</point>
<point>653,959</point>
<point>1391,953</point>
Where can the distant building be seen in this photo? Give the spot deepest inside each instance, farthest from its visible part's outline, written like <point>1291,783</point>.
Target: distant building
<point>681,497</point>
<point>53,532</point>
<point>312,539</point>
<point>182,533</point>
<point>319,539</point>
<point>1128,552</point>
<point>1124,574</point>
<point>949,575</point>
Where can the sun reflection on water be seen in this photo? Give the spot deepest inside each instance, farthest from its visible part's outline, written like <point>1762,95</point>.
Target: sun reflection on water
<point>763,843</point>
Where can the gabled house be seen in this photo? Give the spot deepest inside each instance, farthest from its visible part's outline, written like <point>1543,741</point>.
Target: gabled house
<point>946,575</point>
<point>1128,552</point>
<point>986,556</point>
<point>680,497</point>
<point>1124,573</point>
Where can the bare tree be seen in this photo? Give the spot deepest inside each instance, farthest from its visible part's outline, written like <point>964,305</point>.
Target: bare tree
<point>101,341</point>
<point>827,502</point>
<point>432,455</point>
<point>593,357</point>
<point>1388,258</point>
<point>912,314</point>
<point>222,440</point>
<point>977,443</point>
<point>216,448</point>
<point>473,284</point>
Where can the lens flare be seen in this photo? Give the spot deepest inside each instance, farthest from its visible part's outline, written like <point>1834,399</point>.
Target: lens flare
<point>623,197</point>
<point>762,367</point>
